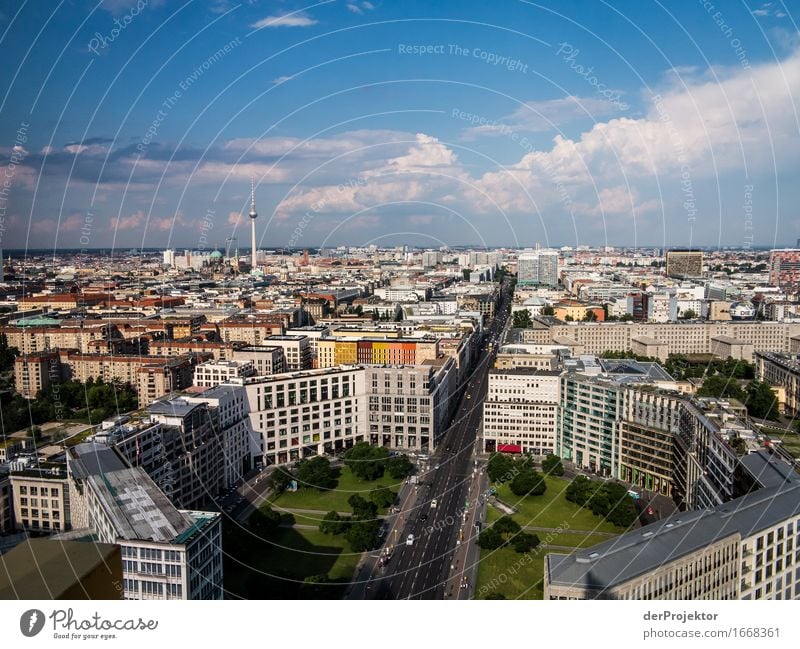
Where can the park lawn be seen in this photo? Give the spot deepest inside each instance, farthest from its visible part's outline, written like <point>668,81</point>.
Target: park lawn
<point>552,509</point>
<point>275,568</point>
<point>514,575</point>
<point>334,499</point>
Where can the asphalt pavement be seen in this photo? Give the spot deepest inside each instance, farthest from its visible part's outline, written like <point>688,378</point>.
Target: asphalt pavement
<point>432,566</point>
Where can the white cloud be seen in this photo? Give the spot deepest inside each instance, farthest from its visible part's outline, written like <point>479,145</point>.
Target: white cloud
<point>294,19</point>
<point>547,115</point>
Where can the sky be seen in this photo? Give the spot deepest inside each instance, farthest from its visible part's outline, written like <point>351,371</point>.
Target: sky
<point>140,123</point>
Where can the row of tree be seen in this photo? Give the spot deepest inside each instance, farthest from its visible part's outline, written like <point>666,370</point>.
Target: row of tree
<point>507,532</point>
<point>361,528</point>
<point>607,499</point>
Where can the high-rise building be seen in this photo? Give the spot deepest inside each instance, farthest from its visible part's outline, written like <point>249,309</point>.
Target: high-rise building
<point>684,263</point>
<point>784,269</point>
<point>539,268</point>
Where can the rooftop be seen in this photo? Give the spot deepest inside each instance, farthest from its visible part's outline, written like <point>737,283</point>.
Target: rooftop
<point>49,569</point>
<point>630,555</point>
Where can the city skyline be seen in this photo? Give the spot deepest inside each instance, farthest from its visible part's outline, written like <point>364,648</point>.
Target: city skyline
<point>366,122</point>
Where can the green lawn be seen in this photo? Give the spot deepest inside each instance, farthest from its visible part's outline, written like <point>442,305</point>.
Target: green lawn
<point>275,568</point>
<point>552,509</point>
<point>335,499</point>
<point>520,576</point>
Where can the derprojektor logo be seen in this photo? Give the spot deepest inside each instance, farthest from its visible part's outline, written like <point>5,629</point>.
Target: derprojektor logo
<point>31,622</point>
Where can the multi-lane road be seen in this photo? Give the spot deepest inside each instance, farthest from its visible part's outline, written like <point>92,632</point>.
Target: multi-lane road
<point>431,566</point>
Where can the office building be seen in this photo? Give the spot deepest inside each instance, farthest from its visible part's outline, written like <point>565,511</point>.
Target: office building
<point>519,412</point>
<point>167,553</point>
<point>41,499</point>
<point>265,359</point>
<point>745,549</point>
<point>538,268</point>
<point>211,373</point>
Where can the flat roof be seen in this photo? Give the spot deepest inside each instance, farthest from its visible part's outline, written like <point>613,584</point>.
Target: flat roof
<point>633,554</point>
<point>47,569</point>
<point>137,507</point>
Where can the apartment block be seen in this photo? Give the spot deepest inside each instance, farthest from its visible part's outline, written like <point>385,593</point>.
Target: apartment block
<point>35,372</point>
<point>6,504</point>
<point>784,269</point>
<point>520,411</point>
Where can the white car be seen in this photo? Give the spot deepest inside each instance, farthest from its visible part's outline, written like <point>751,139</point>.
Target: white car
<point>410,540</point>
<point>434,502</point>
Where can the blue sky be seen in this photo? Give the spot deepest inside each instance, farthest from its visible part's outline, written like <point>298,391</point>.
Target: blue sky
<point>135,124</point>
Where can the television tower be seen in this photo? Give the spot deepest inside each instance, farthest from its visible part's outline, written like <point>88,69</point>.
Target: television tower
<point>253,217</point>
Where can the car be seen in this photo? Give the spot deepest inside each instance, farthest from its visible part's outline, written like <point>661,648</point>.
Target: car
<point>410,539</point>
<point>436,468</point>
<point>423,517</point>
<point>469,396</point>
<point>434,502</point>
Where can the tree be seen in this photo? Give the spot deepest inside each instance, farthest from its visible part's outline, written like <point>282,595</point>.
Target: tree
<point>551,465</point>
<point>525,542</point>
<point>721,387</point>
<point>366,461</point>
<point>506,525</point>
<point>548,310</point>
<point>760,400</point>
<point>382,496</point>
<point>522,319</point>
<point>500,467</point>
<point>528,483</point>
<point>568,318</point>
<point>361,536</point>
<point>465,273</point>
<point>490,539</point>
<point>590,316</point>
<point>280,478</point>
<point>689,314</point>
<point>264,522</point>
<point>332,523</point>
<point>362,509</point>
<point>399,466</point>
<point>316,473</point>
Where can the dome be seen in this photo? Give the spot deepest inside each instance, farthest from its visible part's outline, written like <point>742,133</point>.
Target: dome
<point>216,254</point>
